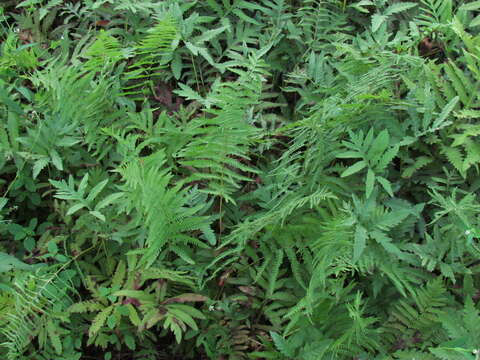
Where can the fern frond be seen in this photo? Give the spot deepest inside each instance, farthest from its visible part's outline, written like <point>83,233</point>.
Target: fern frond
<point>99,321</point>
<point>104,52</point>
<point>86,306</point>
<point>148,60</point>
<point>423,315</point>
<point>35,296</point>
<point>218,151</point>
<point>435,13</point>
<point>161,206</point>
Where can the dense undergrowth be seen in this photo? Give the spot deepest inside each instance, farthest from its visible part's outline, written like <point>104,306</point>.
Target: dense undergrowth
<point>234,179</point>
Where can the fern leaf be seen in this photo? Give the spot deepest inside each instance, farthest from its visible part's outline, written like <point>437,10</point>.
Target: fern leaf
<point>85,306</point>
<point>99,321</point>
<point>273,275</point>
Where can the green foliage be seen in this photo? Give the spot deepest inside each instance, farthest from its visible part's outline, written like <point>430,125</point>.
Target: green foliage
<point>270,179</point>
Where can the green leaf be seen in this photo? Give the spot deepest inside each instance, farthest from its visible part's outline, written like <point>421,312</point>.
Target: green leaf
<point>188,309</point>
<point>104,291</point>
<point>26,3</point>
<point>447,271</point>
<point>13,130</point>
<point>360,242</point>
<point>18,231</point>
<point>387,158</point>
<point>414,29</point>
<point>359,6</point>
<point>475,22</point>
<point>96,190</point>
<point>7,100</point>
<point>39,165</point>
<point>455,156</point>
<point>474,5</point>
<point>3,202</point>
<point>387,244</point>
<point>112,321</point>
<point>210,34</point>
<point>54,337</point>
<point>206,55</point>
<point>99,321</point>
<point>188,93</point>
<point>419,163</point>
<point>61,258</point>
<point>354,168</point>
<point>209,234</point>
<point>130,342</point>
<point>468,286</point>
<point>29,244</point>
<point>137,294</point>
<point>83,184</point>
<point>9,262</point>
<point>245,17</point>
<point>177,331</point>
<point>187,319</point>
<point>73,209</point>
<point>377,21</point>
<point>98,215</point>
<point>56,160</point>
<point>52,247</point>
<point>445,112</point>
<point>380,144</point>
<point>108,200</point>
<point>369,183</point>
<point>42,13</point>
<point>282,345</point>
<point>386,185</point>
<point>194,49</point>
<point>349,155</point>
<point>133,315</point>
<point>399,7</point>
<point>177,66</point>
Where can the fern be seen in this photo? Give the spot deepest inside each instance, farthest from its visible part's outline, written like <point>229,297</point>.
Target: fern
<point>460,326</point>
<point>435,13</point>
<point>218,152</point>
<point>163,208</point>
<point>235,179</point>
<point>422,317</point>
<point>149,52</point>
<point>36,297</point>
<point>104,52</point>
